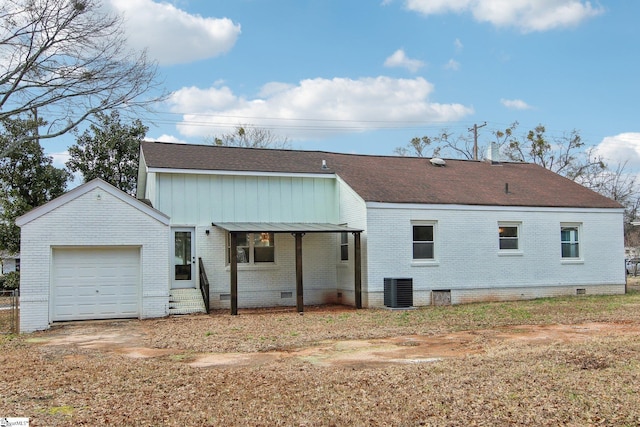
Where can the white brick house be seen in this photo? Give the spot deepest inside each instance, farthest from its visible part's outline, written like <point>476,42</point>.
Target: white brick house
<point>286,227</point>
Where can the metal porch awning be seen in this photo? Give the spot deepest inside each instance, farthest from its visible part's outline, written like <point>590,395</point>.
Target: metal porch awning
<point>298,229</point>
<point>285,227</point>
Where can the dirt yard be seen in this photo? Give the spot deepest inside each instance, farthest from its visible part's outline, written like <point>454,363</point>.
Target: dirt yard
<point>573,361</point>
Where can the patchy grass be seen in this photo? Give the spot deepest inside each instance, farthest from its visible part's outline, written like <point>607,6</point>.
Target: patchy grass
<point>5,322</point>
<point>593,381</point>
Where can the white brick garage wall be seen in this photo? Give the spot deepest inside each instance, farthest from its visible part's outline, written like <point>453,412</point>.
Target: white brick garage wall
<point>94,215</point>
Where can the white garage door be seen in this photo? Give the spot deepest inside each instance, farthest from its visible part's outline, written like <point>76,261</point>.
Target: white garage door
<point>95,283</point>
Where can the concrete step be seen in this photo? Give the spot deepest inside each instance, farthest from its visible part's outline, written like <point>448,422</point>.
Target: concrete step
<point>186,301</point>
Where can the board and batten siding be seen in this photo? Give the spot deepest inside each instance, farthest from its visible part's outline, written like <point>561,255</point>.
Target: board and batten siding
<point>150,188</point>
<point>201,199</point>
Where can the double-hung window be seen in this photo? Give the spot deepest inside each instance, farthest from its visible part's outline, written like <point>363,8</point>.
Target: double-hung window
<point>570,241</point>
<point>423,241</point>
<point>509,236</point>
<point>253,248</point>
<point>344,246</point>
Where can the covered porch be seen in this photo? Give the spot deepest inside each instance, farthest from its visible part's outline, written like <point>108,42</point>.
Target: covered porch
<point>298,231</point>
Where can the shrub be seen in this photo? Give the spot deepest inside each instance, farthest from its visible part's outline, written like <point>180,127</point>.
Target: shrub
<point>11,280</point>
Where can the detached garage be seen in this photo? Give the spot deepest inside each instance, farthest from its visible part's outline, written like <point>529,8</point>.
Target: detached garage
<point>105,255</point>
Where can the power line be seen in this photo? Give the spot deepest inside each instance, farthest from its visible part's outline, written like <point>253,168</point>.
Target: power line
<point>297,123</point>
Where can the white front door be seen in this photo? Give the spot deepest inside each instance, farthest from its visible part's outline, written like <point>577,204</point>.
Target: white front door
<point>183,258</point>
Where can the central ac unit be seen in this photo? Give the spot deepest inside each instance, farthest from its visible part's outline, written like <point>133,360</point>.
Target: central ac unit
<point>398,293</point>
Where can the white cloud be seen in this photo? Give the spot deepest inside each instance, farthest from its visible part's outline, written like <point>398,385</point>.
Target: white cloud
<point>527,15</point>
<point>195,100</point>
<point>315,107</point>
<point>167,138</point>
<point>274,88</point>
<point>621,148</point>
<point>452,65</point>
<point>458,45</point>
<point>400,59</point>
<point>59,159</point>
<point>433,7</point>
<point>515,104</point>
<point>173,36</point>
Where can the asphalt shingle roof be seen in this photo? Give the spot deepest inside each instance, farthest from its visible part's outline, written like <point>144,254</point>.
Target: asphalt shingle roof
<point>393,179</point>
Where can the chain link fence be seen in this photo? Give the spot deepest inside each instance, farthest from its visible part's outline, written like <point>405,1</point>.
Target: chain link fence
<point>9,311</point>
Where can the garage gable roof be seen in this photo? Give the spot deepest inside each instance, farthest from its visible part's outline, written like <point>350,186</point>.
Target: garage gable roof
<point>84,189</point>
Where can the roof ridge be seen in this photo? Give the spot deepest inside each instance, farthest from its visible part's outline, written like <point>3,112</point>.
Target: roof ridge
<point>334,153</point>
<point>237,148</point>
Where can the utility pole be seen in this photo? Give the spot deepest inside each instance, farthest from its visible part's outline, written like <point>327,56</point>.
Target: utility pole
<point>475,139</point>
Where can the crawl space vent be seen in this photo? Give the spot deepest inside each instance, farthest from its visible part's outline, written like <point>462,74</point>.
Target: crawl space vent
<point>441,297</point>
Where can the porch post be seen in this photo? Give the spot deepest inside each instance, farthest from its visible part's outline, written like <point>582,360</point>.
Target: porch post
<point>358,268</point>
<point>234,272</point>
<point>299,291</point>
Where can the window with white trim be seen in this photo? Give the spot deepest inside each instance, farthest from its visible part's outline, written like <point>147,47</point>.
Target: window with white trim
<point>570,241</point>
<point>253,248</point>
<point>509,236</point>
<point>423,241</point>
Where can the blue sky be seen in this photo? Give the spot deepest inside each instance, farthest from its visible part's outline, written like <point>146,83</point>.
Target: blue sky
<point>367,76</point>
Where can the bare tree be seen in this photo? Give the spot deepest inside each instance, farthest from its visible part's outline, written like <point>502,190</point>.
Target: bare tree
<point>445,144</point>
<point>565,155</point>
<point>460,147</point>
<point>249,136</point>
<point>620,185</point>
<point>417,147</point>
<point>617,184</point>
<point>502,137</point>
<point>68,60</point>
<point>631,231</point>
